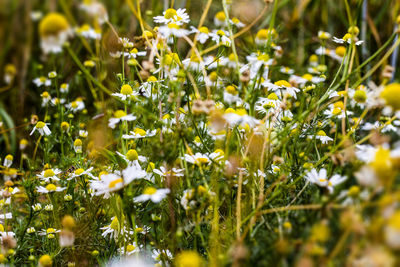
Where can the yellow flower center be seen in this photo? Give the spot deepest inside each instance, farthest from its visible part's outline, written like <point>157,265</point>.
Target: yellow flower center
<point>50,231</point>
<point>263,57</point>
<point>40,124</point>
<point>130,248</point>
<point>139,131</point>
<point>132,155</point>
<point>170,13</point>
<point>149,191</point>
<point>78,142</point>
<point>48,173</point>
<point>173,26</point>
<point>220,16</point>
<point>272,96</point>
<point>201,160</point>
<point>221,33</point>
<point>340,51</point>
<point>152,79</point>
<point>308,77</point>
<point>283,83</point>
<point>114,224</point>
<point>230,89</point>
<point>262,34</point>
<point>321,133</point>
<point>51,187</point>
<point>204,30</point>
<point>126,89</point>
<point>119,114</point>
<point>79,171</point>
<point>112,184</point>
<point>391,95</point>
<point>52,24</point>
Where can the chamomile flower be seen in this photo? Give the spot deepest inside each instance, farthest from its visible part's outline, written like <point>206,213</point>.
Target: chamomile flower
<point>220,19</point>
<point>88,32</point>
<point>131,248</point>
<point>40,81</point>
<point>81,172</point>
<point>126,93</point>
<point>203,33</point>
<point>50,188</point>
<point>171,15</point>
<point>348,38</point>
<point>42,128</point>
<point>119,116</point>
<point>64,87</point>
<point>320,178</point>
<point>174,172</point>
<point>49,174</point>
<point>321,135</point>
<point>139,133</point>
<point>153,194</point>
<point>76,105</point>
<point>236,22</point>
<point>46,98</point>
<point>54,31</point>
<point>113,182</point>
<point>197,158</point>
<point>221,37</point>
<point>8,160</point>
<point>49,232</point>
<point>239,117</point>
<point>172,29</point>
<point>134,53</point>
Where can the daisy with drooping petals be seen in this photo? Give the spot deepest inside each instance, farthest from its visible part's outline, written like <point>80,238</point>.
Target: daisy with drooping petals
<point>42,128</point>
<point>54,31</point>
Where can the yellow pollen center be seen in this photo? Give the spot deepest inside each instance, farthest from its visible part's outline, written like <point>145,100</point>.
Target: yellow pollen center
<point>51,187</point>
<point>149,191</point>
<point>48,173</point>
<point>112,184</point>
<point>40,124</point>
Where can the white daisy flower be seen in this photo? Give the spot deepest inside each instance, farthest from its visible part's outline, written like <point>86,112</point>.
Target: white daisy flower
<point>50,188</point>
<point>139,133</point>
<point>197,158</point>
<point>42,81</point>
<point>171,15</point>
<point>134,53</point>
<point>202,34</point>
<point>320,178</point>
<point>173,172</point>
<point>80,172</point>
<point>42,128</point>
<point>49,174</point>
<point>112,182</point>
<point>76,105</point>
<point>88,32</point>
<point>119,116</point>
<point>172,29</point>
<point>321,135</point>
<point>130,249</point>
<point>221,36</point>
<point>153,194</point>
